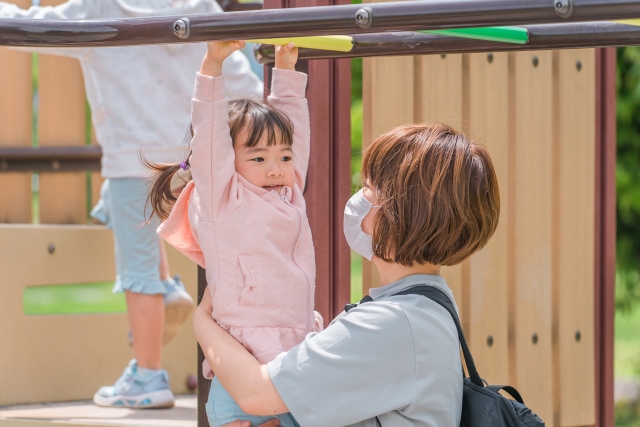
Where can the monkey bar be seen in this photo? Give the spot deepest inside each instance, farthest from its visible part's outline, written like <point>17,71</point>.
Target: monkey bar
<point>309,21</point>
<point>541,37</point>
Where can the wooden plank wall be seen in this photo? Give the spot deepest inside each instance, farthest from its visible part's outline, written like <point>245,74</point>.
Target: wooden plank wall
<point>61,122</point>
<point>526,298</point>
<point>15,129</point>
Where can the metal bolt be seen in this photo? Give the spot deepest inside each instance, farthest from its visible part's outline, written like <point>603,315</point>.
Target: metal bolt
<point>535,61</point>
<point>563,8</point>
<point>490,57</point>
<point>181,28</point>
<point>534,338</point>
<point>444,55</point>
<point>364,17</point>
<point>51,248</point>
<point>578,336</point>
<point>578,65</point>
<point>55,165</point>
<point>490,340</point>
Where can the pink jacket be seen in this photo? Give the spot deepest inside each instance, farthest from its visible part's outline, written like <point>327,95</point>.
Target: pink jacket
<point>255,244</point>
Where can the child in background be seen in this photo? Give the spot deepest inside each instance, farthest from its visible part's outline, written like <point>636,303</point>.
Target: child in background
<point>139,98</point>
<point>243,215</point>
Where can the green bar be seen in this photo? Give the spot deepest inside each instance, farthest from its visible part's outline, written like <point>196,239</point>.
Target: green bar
<point>515,35</point>
<point>335,43</point>
<point>81,298</point>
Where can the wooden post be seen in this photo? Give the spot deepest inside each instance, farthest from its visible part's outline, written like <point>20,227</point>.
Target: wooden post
<point>203,384</point>
<point>605,236</point>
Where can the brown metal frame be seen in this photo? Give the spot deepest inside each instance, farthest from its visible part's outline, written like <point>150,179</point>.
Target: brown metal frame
<point>605,244</point>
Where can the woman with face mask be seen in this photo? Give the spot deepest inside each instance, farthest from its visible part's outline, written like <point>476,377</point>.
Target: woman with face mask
<point>430,199</point>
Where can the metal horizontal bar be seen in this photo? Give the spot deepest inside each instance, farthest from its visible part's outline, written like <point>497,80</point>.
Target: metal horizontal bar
<point>50,159</point>
<point>308,21</point>
<point>541,37</point>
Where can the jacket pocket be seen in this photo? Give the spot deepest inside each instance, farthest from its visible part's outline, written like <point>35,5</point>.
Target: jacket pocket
<point>247,280</point>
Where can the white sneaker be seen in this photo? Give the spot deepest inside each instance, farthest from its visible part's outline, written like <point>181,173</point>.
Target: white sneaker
<point>133,391</point>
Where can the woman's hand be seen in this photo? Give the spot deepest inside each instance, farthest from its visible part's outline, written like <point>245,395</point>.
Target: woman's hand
<point>217,52</point>
<point>271,423</point>
<point>286,57</point>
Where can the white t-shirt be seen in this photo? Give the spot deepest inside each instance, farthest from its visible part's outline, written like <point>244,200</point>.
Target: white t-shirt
<point>140,96</point>
<point>396,358</point>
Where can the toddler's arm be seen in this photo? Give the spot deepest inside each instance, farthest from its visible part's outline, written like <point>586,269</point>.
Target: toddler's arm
<point>288,95</point>
<point>212,158</point>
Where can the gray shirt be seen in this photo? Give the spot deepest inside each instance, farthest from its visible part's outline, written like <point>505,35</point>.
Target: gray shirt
<point>396,358</point>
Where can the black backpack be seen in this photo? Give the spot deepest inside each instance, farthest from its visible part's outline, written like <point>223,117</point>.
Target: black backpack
<point>482,405</point>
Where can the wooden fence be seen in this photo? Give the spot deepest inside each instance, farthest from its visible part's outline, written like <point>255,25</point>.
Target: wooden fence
<point>527,299</point>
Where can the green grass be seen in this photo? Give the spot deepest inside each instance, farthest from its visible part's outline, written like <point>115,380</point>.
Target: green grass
<point>627,344</point>
<point>356,277</point>
<point>80,298</point>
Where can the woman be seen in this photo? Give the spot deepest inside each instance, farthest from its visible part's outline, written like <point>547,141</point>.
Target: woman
<point>430,199</point>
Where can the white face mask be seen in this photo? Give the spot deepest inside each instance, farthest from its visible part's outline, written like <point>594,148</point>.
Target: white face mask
<point>354,212</point>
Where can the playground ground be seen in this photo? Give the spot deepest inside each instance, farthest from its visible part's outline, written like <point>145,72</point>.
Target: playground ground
<point>85,413</point>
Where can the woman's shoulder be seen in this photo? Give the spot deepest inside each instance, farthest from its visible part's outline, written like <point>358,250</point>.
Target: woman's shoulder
<point>415,314</point>
<point>377,317</point>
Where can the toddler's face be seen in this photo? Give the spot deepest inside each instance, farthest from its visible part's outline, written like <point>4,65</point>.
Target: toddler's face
<point>268,167</point>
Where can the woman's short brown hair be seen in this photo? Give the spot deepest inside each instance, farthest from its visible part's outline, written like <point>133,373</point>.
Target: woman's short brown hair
<point>438,191</point>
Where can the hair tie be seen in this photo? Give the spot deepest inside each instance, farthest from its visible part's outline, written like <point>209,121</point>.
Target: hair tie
<point>184,165</point>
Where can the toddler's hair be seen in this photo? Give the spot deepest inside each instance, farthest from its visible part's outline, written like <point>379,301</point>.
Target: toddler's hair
<point>245,115</point>
<point>438,191</point>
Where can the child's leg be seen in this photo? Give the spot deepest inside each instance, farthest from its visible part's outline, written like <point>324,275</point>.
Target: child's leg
<point>137,265</point>
<point>146,319</point>
<point>222,409</point>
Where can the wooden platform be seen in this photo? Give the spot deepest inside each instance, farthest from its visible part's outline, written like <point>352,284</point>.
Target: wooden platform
<point>85,413</point>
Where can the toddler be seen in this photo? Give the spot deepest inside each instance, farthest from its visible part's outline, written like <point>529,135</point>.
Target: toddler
<point>242,216</point>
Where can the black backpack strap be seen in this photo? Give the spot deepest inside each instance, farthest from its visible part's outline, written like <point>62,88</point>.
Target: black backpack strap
<point>439,297</point>
<point>512,391</point>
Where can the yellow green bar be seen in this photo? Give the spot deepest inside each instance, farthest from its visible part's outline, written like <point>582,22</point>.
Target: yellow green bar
<point>335,43</point>
<point>635,22</point>
<point>514,35</point>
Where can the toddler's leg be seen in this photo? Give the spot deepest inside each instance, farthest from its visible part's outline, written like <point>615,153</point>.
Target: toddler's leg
<point>222,409</point>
